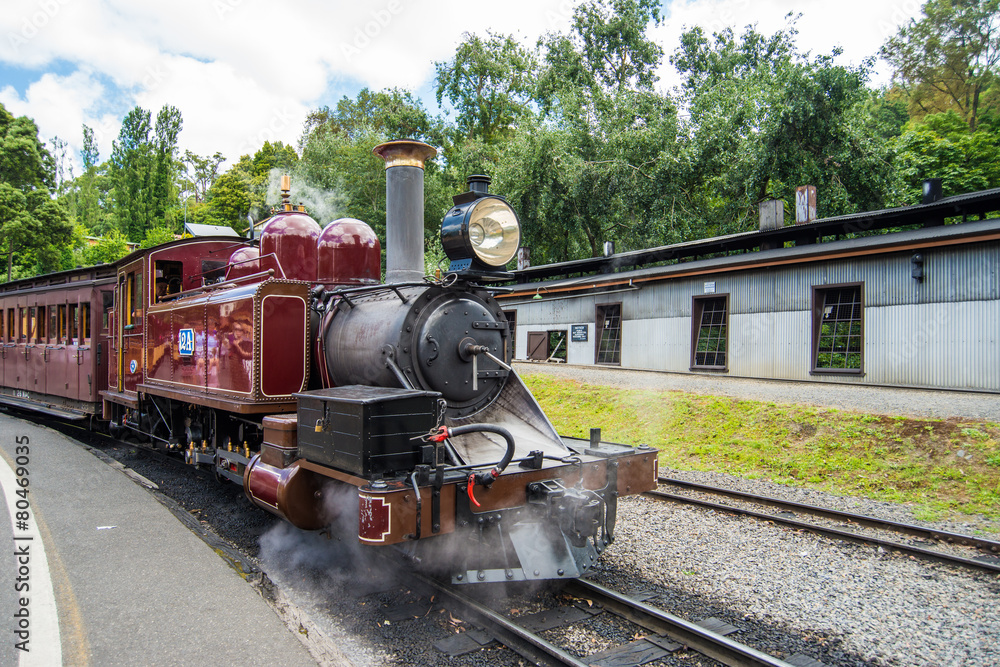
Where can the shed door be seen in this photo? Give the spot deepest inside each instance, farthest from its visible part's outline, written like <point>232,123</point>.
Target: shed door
<point>538,345</point>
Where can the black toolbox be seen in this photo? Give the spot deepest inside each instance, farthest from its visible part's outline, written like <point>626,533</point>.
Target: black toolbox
<point>366,431</point>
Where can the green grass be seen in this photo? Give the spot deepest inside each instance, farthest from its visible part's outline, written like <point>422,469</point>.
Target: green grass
<point>897,459</point>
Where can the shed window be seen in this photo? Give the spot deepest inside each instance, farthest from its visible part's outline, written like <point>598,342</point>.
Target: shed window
<point>511,316</point>
<point>609,334</point>
<point>838,329</point>
<point>710,332</point>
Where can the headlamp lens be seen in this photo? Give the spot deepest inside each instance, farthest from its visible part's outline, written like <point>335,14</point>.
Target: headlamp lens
<point>494,231</point>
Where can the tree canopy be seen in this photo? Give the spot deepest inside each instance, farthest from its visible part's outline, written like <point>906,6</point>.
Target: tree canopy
<point>575,130</point>
<point>30,219</point>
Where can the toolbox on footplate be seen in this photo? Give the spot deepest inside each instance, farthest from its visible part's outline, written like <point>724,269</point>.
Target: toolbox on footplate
<point>366,431</point>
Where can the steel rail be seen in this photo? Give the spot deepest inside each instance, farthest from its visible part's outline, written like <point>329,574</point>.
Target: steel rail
<point>520,640</point>
<point>834,532</point>
<point>862,519</point>
<point>706,642</point>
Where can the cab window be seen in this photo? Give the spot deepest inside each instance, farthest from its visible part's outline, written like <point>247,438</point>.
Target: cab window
<point>169,278</point>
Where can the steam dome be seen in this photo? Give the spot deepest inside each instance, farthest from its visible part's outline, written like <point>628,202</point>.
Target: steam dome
<point>288,245</point>
<point>348,252</point>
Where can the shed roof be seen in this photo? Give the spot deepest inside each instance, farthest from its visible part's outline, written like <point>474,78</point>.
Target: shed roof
<point>930,216</point>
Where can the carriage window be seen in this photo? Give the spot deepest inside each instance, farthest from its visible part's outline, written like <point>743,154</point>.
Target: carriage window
<point>11,333</point>
<point>53,324</point>
<point>73,331</point>
<point>62,323</point>
<point>85,323</point>
<point>22,316</point>
<point>32,327</point>
<point>42,320</point>
<point>107,305</point>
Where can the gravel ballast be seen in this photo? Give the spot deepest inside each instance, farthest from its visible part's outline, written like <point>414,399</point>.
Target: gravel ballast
<point>886,608</point>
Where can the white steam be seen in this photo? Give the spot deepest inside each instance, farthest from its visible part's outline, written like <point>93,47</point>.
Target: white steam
<point>324,206</point>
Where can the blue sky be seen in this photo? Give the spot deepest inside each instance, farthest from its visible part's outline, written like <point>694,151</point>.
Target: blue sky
<point>245,71</point>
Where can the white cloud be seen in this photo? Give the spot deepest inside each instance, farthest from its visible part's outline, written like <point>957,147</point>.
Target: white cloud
<point>242,71</point>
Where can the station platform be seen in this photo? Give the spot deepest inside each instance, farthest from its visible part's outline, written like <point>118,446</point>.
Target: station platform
<point>98,572</point>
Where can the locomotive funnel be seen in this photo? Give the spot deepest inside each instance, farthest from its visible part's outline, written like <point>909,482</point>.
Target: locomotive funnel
<point>404,208</point>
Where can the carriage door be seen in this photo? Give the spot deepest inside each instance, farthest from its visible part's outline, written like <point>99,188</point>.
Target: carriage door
<point>85,352</point>
<point>130,318</point>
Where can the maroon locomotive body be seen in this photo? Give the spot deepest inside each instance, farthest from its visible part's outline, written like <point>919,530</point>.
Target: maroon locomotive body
<point>286,365</point>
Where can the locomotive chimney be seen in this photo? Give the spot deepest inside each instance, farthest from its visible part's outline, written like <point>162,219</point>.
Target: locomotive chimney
<point>404,208</point>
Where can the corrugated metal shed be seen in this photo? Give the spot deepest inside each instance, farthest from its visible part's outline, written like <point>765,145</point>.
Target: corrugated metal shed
<point>940,331</point>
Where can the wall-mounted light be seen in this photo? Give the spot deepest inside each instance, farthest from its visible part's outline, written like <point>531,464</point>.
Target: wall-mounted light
<point>917,267</point>
<point>537,295</point>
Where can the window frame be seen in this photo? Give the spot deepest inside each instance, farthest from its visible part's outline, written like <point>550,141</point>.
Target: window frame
<point>698,302</point>
<point>511,317</point>
<point>72,315</point>
<point>599,330</point>
<point>818,301</point>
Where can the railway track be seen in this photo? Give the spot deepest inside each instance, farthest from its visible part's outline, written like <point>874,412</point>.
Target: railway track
<point>988,561</point>
<point>667,633</point>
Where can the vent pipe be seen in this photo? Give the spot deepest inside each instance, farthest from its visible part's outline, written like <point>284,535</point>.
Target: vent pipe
<point>932,190</point>
<point>479,184</point>
<point>404,208</point>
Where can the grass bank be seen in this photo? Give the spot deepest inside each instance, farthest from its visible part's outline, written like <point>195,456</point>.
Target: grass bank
<point>939,466</point>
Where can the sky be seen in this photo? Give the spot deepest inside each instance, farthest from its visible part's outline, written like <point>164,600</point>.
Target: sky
<point>246,71</point>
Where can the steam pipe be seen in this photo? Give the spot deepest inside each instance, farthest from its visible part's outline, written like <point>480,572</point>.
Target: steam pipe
<point>404,208</point>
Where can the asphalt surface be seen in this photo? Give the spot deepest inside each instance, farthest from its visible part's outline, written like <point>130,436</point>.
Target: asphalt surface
<point>875,400</point>
<point>131,583</point>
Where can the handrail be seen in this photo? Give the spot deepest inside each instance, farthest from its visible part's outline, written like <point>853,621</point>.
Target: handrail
<point>210,288</point>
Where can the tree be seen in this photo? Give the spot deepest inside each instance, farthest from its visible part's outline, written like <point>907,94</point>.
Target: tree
<point>393,112</point>
<point>489,83</point>
<point>29,217</point>
<point>943,146</point>
<point>156,236</point>
<point>340,177</point>
<point>948,59</point>
<point>242,190</point>
<point>764,119</point>
<point>200,173</point>
<point>91,203</point>
<point>142,169</point>
<point>603,131</point>
<point>110,248</point>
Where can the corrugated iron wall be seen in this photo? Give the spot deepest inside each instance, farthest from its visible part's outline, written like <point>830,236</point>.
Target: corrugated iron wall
<point>942,332</point>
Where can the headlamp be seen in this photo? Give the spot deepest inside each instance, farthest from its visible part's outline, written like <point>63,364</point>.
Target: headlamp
<point>482,234</point>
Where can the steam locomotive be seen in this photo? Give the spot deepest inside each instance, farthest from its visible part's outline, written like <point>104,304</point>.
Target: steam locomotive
<point>285,365</point>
